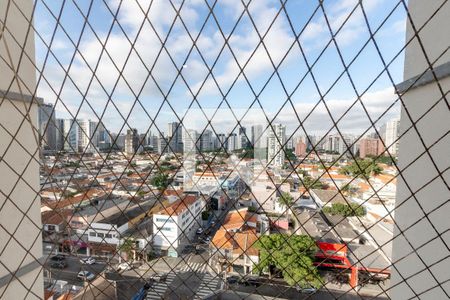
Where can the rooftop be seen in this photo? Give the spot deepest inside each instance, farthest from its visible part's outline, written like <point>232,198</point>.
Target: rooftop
<point>179,206</point>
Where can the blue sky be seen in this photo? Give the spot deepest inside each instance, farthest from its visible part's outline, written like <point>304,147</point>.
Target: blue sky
<point>279,39</point>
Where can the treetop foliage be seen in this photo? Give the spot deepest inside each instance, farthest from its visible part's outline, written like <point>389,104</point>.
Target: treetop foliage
<point>345,210</point>
<point>293,255</point>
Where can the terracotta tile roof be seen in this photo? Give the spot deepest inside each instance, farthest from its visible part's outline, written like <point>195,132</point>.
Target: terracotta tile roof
<point>91,194</point>
<point>363,186</point>
<point>237,242</point>
<point>55,217</point>
<point>238,219</point>
<point>177,207</point>
<point>52,190</point>
<point>138,175</point>
<point>168,192</point>
<point>336,177</point>
<point>206,174</point>
<point>386,179</point>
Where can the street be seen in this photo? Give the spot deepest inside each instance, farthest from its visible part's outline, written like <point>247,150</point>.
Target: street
<point>74,266</point>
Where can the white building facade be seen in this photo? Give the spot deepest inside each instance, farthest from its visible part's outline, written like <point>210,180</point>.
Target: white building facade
<point>275,141</point>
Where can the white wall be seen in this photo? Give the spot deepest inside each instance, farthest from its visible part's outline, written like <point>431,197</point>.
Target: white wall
<point>100,228</point>
<point>25,230</point>
<point>423,212</point>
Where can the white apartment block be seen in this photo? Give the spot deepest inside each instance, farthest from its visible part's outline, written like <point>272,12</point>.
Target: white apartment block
<point>275,141</point>
<point>389,134</point>
<point>176,223</point>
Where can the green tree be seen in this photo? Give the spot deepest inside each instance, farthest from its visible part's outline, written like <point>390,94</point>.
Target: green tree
<point>128,246</point>
<point>161,181</point>
<point>348,189</point>
<point>290,155</point>
<point>205,215</point>
<point>312,183</point>
<point>293,255</point>
<point>345,210</point>
<point>384,159</point>
<point>286,200</point>
<point>367,167</point>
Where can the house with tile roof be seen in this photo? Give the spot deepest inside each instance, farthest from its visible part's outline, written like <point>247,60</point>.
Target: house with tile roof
<point>233,245</point>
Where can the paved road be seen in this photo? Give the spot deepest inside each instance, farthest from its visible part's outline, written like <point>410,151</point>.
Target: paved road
<point>74,266</point>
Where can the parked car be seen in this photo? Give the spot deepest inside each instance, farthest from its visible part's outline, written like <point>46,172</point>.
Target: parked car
<point>59,264</point>
<point>232,279</point>
<point>254,282</point>
<point>58,257</point>
<point>159,277</point>
<point>306,290</point>
<point>87,261</point>
<point>199,231</point>
<point>85,275</point>
<point>250,281</point>
<point>124,266</point>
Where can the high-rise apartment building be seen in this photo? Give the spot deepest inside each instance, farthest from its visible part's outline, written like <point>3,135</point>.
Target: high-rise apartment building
<point>131,141</point>
<point>390,133</point>
<point>162,144</point>
<point>232,142</point>
<point>47,126</point>
<point>370,147</point>
<point>190,140</point>
<point>70,135</point>
<point>103,138</point>
<point>87,135</point>
<point>275,141</point>
<point>59,134</point>
<point>206,141</point>
<point>300,149</point>
<point>243,139</point>
<point>153,142</point>
<point>256,137</point>
<point>221,142</point>
<point>175,136</point>
<point>338,144</point>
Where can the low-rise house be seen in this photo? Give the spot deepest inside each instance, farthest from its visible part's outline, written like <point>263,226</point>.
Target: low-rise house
<point>335,180</point>
<point>55,221</point>
<point>324,198</point>
<point>78,200</point>
<point>233,245</point>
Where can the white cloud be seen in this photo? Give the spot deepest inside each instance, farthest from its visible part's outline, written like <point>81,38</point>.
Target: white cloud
<point>243,43</point>
<point>355,120</point>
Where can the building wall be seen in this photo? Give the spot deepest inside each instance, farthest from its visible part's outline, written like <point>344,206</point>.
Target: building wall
<point>275,141</point>
<point>20,212</point>
<point>420,253</point>
<point>368,146</point>
<point>103,233</point>
<point>165,231</point>
<point>174,232</point>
